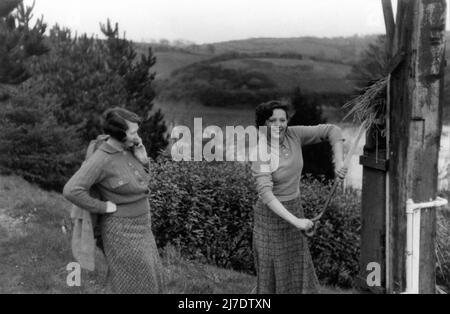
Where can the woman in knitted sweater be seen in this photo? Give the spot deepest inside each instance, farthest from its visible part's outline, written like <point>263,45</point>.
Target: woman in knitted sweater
<point>118,170</point>
<point>282,257</point>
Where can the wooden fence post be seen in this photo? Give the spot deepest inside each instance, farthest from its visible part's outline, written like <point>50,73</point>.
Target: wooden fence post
<point>416,124</point>
<point>373,196</point>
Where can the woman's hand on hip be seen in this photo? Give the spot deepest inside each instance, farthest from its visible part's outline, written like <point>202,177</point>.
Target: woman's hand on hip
<point>304,224</point>
<point>110,207</point>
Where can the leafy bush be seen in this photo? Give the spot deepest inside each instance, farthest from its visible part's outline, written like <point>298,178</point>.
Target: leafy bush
<point>34,146</point>
<point>335,247</point>
<point>205,209</point>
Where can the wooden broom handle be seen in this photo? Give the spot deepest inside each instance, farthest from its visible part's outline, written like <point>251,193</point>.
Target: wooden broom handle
<point>347,160</point>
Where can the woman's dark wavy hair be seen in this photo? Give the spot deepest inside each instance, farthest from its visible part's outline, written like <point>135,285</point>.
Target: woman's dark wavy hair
<point>114,122</point>
<point>265,110</point>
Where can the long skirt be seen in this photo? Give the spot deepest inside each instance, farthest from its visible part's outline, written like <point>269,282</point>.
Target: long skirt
<point>133,261</point>
<point>282,258</point>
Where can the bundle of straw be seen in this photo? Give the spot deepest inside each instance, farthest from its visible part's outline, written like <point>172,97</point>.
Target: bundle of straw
<point>370,105</point>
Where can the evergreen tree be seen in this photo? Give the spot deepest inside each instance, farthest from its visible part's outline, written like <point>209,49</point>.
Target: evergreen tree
<point>76,72</point>
<point>318,157</point>
<point>137,80</point>
<point>32,143</point>
<point>18,42</point>
<point>90,75</point>
<point>45,131</point>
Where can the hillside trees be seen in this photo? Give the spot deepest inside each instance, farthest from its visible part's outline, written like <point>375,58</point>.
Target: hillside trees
<point>90,75</point>
<point>6,6</point>
<point>136,79</point>
<point>216,86</point>
<point>18,42</point>
<point>372,65</point>
<point>32,144</point>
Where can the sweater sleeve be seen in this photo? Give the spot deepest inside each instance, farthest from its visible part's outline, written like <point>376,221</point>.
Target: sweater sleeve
<point>77,188</point>
<point>318,133</point>
<point>263,178</point>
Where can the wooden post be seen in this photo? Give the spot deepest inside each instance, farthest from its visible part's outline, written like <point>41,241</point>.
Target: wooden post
<point>416,120</point>
<point>373,210</point>
<point>390,37</point>
<point>390,24</point>
<point>373,196</point>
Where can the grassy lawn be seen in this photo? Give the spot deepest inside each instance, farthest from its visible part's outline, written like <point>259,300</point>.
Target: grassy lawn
<point>35,250</point>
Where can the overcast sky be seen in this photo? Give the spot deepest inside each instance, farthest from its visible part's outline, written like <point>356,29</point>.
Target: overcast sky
<point>204,21</point>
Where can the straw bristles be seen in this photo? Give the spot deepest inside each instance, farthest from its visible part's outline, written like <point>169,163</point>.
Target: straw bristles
<point>369,106</point>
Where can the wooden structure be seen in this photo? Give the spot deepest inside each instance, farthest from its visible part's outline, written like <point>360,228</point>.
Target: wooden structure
<point>408,166</point>
<point>373,208</point>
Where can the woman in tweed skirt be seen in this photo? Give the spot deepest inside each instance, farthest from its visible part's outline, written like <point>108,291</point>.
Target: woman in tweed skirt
<point>282,258</point>
<point>118,169</point>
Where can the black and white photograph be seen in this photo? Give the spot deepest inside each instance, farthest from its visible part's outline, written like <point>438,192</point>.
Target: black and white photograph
<point>224,147</point>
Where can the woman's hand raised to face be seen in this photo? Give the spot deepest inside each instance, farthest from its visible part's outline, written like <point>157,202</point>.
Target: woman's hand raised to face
<point>140,152</point>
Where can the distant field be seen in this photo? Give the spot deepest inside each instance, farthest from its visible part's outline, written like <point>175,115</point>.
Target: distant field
<point>287,74</point>
<point>311,75</point>
<point>342,49</point>
<point>167,62</point>
<point>327,75</point>
<point>316,76</point>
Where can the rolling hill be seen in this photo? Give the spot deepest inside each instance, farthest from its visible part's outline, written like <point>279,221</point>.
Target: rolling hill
<point>337,50</point>
<point>314,76</point>
<point>342,49</point>
<point>322,68</point>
